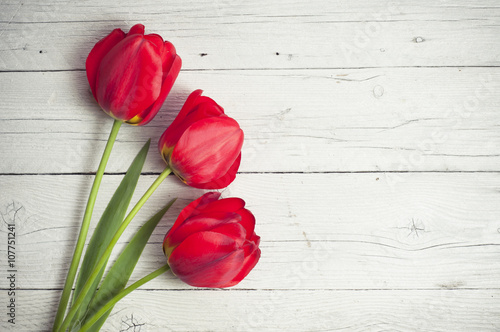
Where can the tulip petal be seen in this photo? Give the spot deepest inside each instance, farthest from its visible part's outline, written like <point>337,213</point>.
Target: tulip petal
<point>200,223</point>
<point>136,29</point>
<point>189,104</point>
<point>206,259</point>
<point>233,230</point>
<point>232,204</point>
<point>156,40</point>
<point>97,53</point>
<point>223,181</point>
<point>202,248</point>
<point>219,274</point>
<point>208,105</point>
<point>207,150</point>
<point>255,239</point>
<point>167,84</point>
<point>248,222</point>
<point>168,56</point>
<point>129,78</point>
<point>252,256</point>
<point>205,108</point>
<point>194,208</point>
<point>171,135</point>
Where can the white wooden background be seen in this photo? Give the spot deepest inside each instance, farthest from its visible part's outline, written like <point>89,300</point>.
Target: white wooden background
<point>371,160</point>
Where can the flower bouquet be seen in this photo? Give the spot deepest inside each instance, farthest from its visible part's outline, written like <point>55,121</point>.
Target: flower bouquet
<point>212,243</point>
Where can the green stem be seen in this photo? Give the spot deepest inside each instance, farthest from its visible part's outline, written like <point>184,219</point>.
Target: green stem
<point>109,305</point>
<point>70,279</point>
<point>102,261</point>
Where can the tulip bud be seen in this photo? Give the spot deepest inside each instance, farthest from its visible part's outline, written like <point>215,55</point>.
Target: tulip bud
<point>131,74</point>
<point>202,146</point>
<point>212,243</point>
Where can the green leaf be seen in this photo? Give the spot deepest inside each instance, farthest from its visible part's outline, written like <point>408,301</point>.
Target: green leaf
<point>106,228</point>
<point>119,274</point>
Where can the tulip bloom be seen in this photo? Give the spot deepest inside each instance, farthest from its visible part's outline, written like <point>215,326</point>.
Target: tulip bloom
<point>212,243</point>
<point>202,146</point>
<point>131,74</point>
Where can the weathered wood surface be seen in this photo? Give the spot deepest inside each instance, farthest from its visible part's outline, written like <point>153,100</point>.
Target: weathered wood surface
<point>223,34</point>
<point>371,159</point>
<point>399,119</point>
<point>372,231</point>
<point>276,310</point>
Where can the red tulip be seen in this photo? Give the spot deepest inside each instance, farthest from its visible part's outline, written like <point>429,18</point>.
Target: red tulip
<point>203,145</point>
<point>212,243</point>
<point>131,74</point>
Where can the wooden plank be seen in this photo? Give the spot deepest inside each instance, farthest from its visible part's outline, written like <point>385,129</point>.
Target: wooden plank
<point>319,231</point>
<point>242,11</point>
<point>259,34</point>
<point>352,120</point>
<point>264,310</point>
<point>401,94</point>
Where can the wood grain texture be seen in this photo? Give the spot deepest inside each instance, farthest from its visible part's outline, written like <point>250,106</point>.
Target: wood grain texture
<point>368,233</point>
<point>259,34</point>
<point>264,310</point>
<point>371,159</point>
<point>403,119</point>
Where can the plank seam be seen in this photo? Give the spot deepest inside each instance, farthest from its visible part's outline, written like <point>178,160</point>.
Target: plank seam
<point>257,173</point>
<point>264,69</point>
